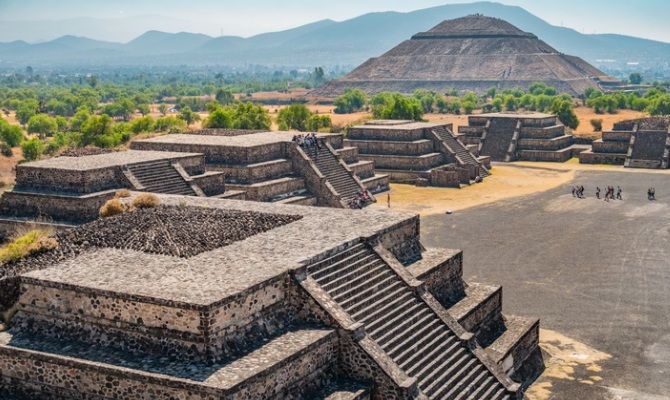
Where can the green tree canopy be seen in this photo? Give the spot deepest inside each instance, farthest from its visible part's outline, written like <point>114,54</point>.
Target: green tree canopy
<point>42,125</point>
<point>396,106</point>
<point>10,134</point>
<point>635,78</point>
<point>350,101</point>
<point>294,117</point>
<point>32,149</point>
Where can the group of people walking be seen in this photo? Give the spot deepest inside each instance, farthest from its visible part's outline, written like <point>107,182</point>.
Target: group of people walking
<point>611,193</point>
<point>361,199</point>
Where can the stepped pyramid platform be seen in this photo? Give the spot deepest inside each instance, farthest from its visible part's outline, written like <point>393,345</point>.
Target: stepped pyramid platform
<point>472,53</point>
<point>637,143</point>
<point>418,152</point>
<point>68,190</point>
<point>269,166</point>
<point>292,302</point>
<point>520,136</point>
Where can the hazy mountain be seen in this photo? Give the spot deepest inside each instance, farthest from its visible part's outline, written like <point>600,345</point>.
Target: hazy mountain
<point>325,42</point>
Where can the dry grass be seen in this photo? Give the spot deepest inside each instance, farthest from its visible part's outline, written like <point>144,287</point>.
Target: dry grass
<point>121,193</point>
<point>32,242</point>
<point>586,114</point>
<point>111,208</point>
<point>146,200</point>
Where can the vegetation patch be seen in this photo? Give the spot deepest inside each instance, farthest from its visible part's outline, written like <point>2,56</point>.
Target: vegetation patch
<point>32,242</point>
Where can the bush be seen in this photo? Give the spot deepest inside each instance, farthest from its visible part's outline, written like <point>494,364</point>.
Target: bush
<point>6,150</point>
<point>10,134</point>
<point>122,193</point>
<point>32,149</point>
<point>351,101</point>
<point>112,207</point>
<point>33,242</point>
<point>396,106</point>
<point>597,124</point>
<point>146,200</point>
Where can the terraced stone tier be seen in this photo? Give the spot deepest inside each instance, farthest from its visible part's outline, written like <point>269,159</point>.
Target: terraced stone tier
<point>285,367</point>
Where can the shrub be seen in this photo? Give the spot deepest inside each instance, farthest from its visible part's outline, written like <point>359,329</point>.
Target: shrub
<point>10,134</point>
<point>112,207</point>
<point>122,193</point>
<point>146,200</point>
<point>32,149</point>
<point>396,106</point>
<point>294,117</point>
<point>32,242</point>
<point>597,124</point>
<point>6,150</point>
<point>351,101</point>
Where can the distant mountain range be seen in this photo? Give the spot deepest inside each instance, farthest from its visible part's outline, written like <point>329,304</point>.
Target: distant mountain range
<point>324,43</point>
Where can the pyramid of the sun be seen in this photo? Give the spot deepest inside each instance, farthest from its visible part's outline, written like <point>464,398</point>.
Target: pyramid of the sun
<point>470,53</point>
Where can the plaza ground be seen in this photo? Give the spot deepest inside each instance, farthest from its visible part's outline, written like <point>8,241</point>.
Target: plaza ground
<point>595,272</point>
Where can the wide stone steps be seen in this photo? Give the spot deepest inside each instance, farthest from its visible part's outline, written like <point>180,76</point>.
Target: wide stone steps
<point>342,180</point>
<point>161,177</point>
<point>404,326</point>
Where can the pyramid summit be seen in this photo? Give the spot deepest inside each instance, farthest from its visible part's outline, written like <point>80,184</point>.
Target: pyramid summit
<point>470,53</point>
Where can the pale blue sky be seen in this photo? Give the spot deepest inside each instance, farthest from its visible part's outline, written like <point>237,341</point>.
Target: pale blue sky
<point>643,18</point>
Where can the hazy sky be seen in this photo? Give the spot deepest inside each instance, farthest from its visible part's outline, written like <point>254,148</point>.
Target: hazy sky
<point>642,18</point>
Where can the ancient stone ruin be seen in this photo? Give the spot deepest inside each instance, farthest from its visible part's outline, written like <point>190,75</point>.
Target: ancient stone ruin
<point>69,190</point>
<point>269,166</point>
<point>519,137</point>
<point>472,53</point>
<point>264,304</point>
<point>419,152</point>
<point>636,143</point>
<point>257,166</point>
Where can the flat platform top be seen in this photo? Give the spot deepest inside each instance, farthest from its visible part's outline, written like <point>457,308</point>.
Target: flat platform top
<point>401,125</point>
<point>107,160</point>
<point>214,275</point>
<point>515,115</point>
<point>251,140</point>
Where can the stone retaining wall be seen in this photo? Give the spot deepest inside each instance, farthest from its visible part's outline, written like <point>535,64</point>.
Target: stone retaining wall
<point>402,148</point>
<point>55,207</point>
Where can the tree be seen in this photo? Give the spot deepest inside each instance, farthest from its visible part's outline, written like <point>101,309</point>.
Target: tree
<point>162,108</point>
<point>293,117</point>
<point>42,125</point>
<point>318,76</point>
<point>426,98</point>
<point>95,127</point>
<point>350,101</point>
<point>25,110</point>
<point>10,134</point>
<point>564,110</point>
<point>144,109</point>
<point>659,105</point>
<point>250,116</point>
<point>170,124</point>
<point>188,116</point>
<point>79,118</point>
<point>396,106</point>
<point>32,149</point>
<point>144,124</point>
<point>224,96</point>
<point>318,123</point>
<point>219,119</point>
<point>635,78</point>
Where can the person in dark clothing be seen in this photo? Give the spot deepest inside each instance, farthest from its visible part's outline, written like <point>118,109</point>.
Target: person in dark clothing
<point>597,192</point>
<point>618,193</point>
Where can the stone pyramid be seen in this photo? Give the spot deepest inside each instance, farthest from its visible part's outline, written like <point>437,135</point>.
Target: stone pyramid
<point>470,53</point>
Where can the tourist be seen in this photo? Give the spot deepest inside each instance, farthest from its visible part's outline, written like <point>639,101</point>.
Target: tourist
<point>651,193</point>
<point>597,192</point>
<point>618,193</point>
<point>574,191</point>
<point>388,199</point>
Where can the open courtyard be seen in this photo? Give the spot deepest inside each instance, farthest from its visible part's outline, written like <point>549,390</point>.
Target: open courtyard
<point>595,271</point>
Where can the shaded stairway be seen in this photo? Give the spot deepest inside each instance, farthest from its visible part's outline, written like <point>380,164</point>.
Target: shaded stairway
<point>160,177</point>
<point>463,154</point>
<point>499,135</point>
<point>339,177</point>
<point>408,330</point>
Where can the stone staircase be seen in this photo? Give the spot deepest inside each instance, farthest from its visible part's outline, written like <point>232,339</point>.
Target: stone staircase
<point>404,326</point>
<point>339,177</point>
<point>160,177</point>
<point>496,145</point>
<point>463,154</point>
<point>511,150</point>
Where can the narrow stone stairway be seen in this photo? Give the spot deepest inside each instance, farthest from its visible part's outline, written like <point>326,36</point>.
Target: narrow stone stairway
<point>161,177</point>
<point>498,138</point>
<point>404,326</point>
<point>460,150</point>
<point>329,165</point>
